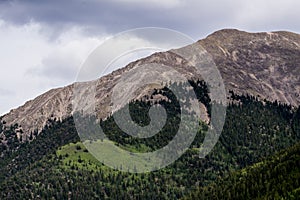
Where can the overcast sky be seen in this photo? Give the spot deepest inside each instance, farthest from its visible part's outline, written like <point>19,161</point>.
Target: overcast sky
<point>44,43</point>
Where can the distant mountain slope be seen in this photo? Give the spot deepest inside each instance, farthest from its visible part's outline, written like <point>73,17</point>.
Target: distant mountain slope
<point>264,64</point>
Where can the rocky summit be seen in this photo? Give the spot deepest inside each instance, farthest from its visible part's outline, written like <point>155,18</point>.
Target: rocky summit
<point>266,65</point>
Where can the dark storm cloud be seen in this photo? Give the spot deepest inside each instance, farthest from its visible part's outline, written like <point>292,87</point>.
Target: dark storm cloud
<point>193,17</point>
<point>111,16</point>
<point>108,13</point>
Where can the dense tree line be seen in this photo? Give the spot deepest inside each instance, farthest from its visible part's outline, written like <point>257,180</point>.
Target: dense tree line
<point>19,155</point>
<point>277,177</point>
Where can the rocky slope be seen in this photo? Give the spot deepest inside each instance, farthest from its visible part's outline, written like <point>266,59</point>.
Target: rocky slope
<point>264,64</point>
<point>260,64</point>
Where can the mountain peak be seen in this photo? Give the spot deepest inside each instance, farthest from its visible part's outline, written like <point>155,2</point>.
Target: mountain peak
<point>226,32</point>
<point>260,64</point>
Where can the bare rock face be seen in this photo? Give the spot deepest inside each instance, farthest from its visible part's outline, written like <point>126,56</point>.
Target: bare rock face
<point>34,114</point>
<point>260,64</point>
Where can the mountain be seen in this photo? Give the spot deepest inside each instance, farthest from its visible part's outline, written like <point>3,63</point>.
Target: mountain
<point>260,64</point>
<point>254,157</point>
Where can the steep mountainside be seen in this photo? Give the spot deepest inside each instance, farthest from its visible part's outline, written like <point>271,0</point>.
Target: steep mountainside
<point>265,64</point>
<point>260,64</point>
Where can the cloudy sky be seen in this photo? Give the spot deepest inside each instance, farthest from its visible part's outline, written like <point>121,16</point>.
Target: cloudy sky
<point>44,43</point>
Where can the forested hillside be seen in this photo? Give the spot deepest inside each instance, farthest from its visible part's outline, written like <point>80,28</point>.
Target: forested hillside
<point>56,164</point>
<point>277,177</point>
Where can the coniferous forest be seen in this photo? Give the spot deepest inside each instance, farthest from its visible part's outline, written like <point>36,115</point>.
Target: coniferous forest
<point>257,156</point>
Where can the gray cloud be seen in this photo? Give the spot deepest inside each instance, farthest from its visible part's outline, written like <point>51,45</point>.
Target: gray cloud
<point>5,92</point>
<point>196,18</point>
<point>54,69</point>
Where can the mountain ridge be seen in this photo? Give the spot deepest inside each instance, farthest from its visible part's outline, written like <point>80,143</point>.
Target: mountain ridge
<point>260,64</point>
